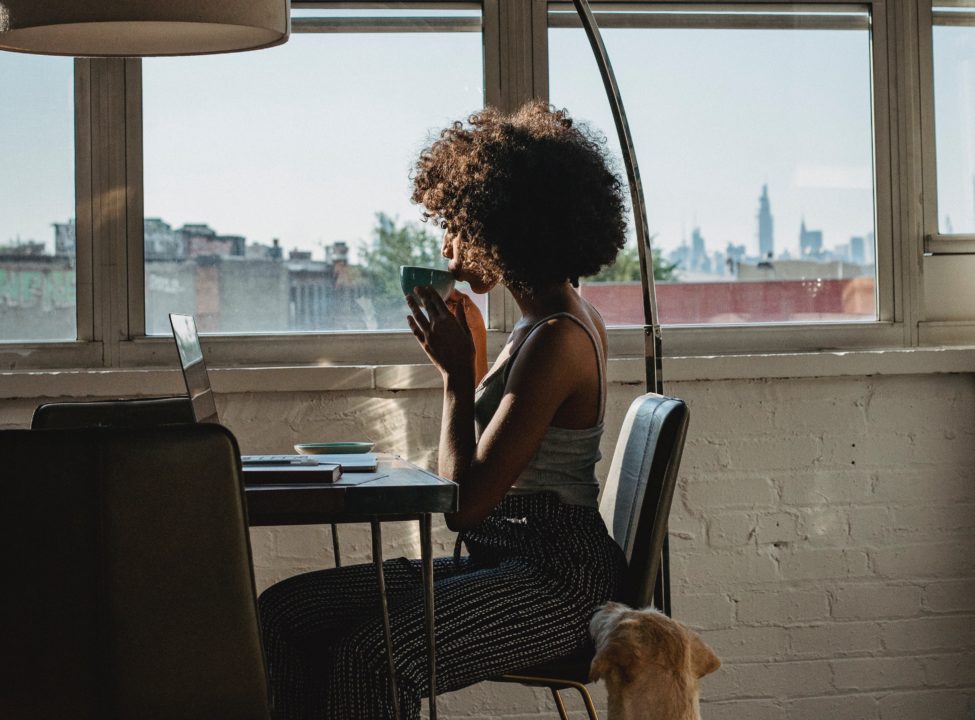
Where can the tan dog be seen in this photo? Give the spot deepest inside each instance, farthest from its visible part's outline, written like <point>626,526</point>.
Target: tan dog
<point>650,663</point>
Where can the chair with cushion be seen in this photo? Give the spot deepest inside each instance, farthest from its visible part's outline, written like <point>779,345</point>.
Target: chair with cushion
<point>139,413</point>
<point>635,504</point>
<point>129,587</point>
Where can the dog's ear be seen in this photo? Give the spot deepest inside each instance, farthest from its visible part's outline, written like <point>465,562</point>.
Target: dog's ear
<point>598,668</point>
<point>703,660</point>
<point>613,660</point>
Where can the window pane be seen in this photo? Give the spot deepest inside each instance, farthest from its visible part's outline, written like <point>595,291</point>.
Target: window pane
<point>756,154</point>
<point>37,205</point>
<point>277,183</point>
<point>954,109</point>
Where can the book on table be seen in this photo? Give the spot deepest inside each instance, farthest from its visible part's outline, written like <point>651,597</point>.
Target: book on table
<point>292,474</point>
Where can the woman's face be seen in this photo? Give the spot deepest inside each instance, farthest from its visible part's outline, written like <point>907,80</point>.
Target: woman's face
<point>453,250</point>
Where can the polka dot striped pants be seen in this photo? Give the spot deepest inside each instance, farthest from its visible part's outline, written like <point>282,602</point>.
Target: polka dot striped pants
<point>537,570</point>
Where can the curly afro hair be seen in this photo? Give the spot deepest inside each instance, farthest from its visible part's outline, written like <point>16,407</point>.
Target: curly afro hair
<point>532,196</point>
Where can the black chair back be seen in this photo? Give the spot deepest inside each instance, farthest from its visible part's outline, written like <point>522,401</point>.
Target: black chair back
<point>140,413</point>
<point>639,490</point>
<point>131,592</point>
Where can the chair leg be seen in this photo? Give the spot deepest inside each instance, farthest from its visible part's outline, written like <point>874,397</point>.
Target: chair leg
<point>558,704</point>
<point>335,545</point>
<point>587,699</point>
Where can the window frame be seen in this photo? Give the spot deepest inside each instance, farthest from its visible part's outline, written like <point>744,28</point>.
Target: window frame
<point>87,350</point>
<point>889,329</point>
<point>341,348</point>
<point>109,212</point>
<point>936,242</point>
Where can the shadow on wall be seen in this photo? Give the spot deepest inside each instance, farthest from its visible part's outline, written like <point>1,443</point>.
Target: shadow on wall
<point>405,423</point>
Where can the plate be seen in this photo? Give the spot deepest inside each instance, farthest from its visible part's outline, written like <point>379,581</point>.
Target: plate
<point>334,448</point>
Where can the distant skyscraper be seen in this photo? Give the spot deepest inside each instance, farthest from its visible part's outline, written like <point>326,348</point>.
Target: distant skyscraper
<point>810,241</point>
<point>858,251</point>
<point>699,252</point>
<point>681,256</point>
<point>766,241</point>
<point>734,254</point>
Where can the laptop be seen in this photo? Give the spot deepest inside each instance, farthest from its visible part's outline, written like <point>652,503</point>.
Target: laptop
<point>319,468</point>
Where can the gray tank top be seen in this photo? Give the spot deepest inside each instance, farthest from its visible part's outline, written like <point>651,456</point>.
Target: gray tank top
<point>565,462</point>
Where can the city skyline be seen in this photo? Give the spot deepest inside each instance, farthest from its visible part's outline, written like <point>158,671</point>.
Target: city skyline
<point>696,257</point>
<point>246,144</point>
<point>164,240</point>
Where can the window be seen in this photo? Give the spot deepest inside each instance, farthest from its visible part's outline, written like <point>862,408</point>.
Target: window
<point>276,183</point>
<point>129,189</point>
<point>754,129</point>
<point>951,208</point>
<point>37,199</point>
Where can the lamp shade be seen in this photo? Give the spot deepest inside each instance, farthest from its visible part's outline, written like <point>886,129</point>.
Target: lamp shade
<point>136,28</point>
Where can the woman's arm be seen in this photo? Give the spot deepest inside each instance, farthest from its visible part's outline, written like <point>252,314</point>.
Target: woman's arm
<point>447,340</point>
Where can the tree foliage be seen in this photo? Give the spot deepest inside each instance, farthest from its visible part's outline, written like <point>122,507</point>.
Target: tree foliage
<point>393,245</point>
<point>627,268</point>
<point>413,243</point>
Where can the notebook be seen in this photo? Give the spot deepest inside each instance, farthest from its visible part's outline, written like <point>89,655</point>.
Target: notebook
<point>260,468</point>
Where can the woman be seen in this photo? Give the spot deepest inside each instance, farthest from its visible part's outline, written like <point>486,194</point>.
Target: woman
<point>527,200</point>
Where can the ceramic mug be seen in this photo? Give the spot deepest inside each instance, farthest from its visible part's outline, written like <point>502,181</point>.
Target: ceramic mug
<point>411,276</point>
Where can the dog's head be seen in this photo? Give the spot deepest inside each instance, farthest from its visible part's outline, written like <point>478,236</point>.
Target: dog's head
<point>649,661</point>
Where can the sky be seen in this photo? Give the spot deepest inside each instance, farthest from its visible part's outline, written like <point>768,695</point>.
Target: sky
<point>954,67</point>
<point>307,141</point>
<point>36,145</point>
<point>716,114</point>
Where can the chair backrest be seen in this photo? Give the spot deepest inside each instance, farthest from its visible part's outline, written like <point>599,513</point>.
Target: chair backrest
<point>130,589</point>
<point>139,413</point>
<point>636,499</point>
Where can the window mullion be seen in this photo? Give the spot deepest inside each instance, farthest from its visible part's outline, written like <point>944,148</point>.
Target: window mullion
<point>84,290</point>
<point>135,225</point>
<point>928,139</point>
<point>108,205</point>
<point>517,77</point>
<point>906,165</point>
<point>518,73</point>
<point>491,37</point>
<point>889,293</point>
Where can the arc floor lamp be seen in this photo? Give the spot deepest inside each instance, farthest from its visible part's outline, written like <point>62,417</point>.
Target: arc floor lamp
<point>652,352</point>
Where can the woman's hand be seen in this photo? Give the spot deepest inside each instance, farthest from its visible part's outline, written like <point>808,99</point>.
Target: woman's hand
<point>443,335</point>
<point>475,323</point>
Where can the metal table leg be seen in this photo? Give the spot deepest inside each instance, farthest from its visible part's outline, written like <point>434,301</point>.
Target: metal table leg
<point>335,545</point>
<point>377,559</point>
<point>426,553</point>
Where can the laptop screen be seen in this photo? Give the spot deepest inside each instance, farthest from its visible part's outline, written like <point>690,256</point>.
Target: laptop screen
<point>194,369</point>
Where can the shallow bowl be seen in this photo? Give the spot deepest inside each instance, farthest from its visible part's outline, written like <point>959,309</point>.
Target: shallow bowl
<point>334,448</point>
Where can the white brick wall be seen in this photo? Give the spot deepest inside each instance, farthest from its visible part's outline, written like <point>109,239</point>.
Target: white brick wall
<point>822,536</point>
<point>839,516</point>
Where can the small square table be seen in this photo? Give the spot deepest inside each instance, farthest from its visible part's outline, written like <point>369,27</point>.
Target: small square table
<point>398,490</point>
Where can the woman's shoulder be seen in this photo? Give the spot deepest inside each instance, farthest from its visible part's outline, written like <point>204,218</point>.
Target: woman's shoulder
<point>561,337</point>
<point>588,320</point>
<point>596,318</point>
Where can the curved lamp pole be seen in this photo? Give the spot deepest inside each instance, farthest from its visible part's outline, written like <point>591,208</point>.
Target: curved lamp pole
<point>651,325</point>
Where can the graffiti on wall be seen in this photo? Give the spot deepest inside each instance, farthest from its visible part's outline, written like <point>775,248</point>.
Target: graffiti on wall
<point>45,290</point>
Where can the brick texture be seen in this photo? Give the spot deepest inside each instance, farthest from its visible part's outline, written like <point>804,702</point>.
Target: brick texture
<point>822,536</point>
